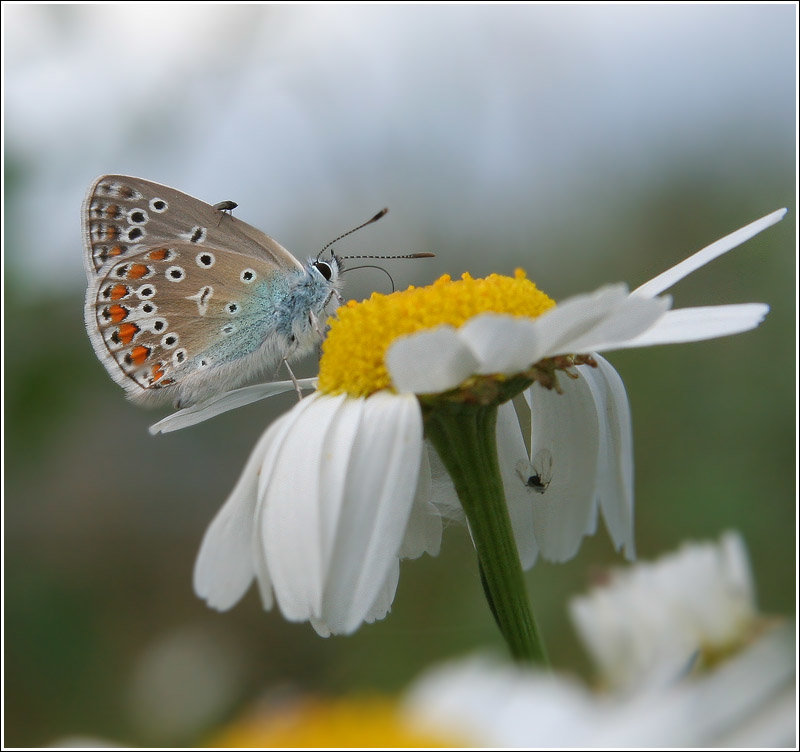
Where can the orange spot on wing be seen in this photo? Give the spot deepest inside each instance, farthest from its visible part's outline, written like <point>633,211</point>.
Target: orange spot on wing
<point>127,332</point>
<point>137,271</point>
<point>158,372</point>
<point>158,255</point>
<point>112,211</point>
<point>117,313</point>
<point>111,232</point>
<point>115,251</point>
<point>118,292</point>
<point>139,354</point>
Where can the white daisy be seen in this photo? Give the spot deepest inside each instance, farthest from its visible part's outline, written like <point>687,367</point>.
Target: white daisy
<point>337,491</point>
<point>651,622</point>
<point>642,629</point>
<point>748,701</point>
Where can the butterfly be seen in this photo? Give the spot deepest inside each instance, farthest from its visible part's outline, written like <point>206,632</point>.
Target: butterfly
<point>185,301</point>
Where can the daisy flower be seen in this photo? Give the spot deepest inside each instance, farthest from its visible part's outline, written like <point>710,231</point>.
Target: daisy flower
<point>646,625</point>
<point>337,491</point>
<point>685,660</point>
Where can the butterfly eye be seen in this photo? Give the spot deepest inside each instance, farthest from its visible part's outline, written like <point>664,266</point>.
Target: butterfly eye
<point>324,269</point>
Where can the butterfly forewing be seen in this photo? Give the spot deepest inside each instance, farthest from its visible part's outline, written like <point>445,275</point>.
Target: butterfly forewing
<point>123,216</point>
<point>184,300</point>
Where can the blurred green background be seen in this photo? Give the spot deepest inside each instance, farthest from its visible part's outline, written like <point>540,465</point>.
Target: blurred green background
<point>587,144</point>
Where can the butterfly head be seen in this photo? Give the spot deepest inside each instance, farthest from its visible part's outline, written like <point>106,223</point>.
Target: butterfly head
<point>328,269</point>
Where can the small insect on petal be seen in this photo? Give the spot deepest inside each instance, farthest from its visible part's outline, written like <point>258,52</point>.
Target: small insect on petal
<point>537,475</point>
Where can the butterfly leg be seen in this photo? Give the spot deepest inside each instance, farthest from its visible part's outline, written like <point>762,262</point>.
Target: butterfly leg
<point>294,379</point>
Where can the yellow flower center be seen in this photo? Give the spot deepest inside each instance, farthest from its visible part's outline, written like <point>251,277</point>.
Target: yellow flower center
<point>354,351</point>
<point>356,722</point>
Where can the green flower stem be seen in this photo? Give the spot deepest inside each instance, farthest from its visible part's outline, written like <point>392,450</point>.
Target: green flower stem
<point>465,438</point>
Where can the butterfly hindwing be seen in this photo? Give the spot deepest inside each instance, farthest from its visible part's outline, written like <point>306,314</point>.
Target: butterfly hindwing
<point>166,314</point>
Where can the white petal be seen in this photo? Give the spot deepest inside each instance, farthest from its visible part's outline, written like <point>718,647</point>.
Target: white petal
<point>502,343</point>
<point>567,426</point>
<point>496,705</point>
<point>615,461</point>
<point>424,530</point>
<point>443,492</point>
<point>224,567</point>
<point>320,627</point>
<point>294,524</point>
<point>221,403</point>
<point>381,480</point>
<point>629,319</point>
<point>385,597</point>
<point>666,279</point>
<point>733,706</point>
<point>694,324</point>
<point>379,609</point>
<point>519,498</point>
<point>281,428</point>
<point>576,316</point>
<point>430,361</point>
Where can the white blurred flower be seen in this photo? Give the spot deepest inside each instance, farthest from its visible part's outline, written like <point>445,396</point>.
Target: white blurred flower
<point>653,620</point>
<point>749,701</point>
<point>641,628</point>
<point>337,491</point>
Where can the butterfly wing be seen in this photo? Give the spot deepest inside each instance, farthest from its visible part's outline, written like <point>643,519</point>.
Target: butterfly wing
<point>123,216</point>
<point>162,319</point>
<point>183,300</point>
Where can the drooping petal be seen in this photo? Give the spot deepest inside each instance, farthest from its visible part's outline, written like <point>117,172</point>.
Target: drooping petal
<point>281,427</point>
<point>615,461</point>
<point>443,492</point>
<point>433,360</point>
<point>224,567</point>
<point>666,279</point>
<point>385,597</point>
<point>381,481</point>
<point>694,324</point>
<point>424,529</point>
<point>380,608</point>
<point>221,403</point>
<point>292,525</point>
<point>566,425</point>
<point>520,499</point>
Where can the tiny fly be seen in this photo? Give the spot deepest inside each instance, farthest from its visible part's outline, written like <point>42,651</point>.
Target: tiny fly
<point>537,475</point>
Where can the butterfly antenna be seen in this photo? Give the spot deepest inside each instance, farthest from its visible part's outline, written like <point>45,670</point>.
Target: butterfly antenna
<point>380,214</point>
<point>424,254</point>
<point>375,266</point>
<point>371,266</point>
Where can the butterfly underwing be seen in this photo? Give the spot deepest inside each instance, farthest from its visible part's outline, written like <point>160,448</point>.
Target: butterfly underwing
<point>185,301</point>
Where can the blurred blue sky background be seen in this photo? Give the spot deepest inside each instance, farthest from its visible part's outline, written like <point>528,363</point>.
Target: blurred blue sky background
<point>586,143</point>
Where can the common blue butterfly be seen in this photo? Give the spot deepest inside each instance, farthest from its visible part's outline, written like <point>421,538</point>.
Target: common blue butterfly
<point>185,301</point>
